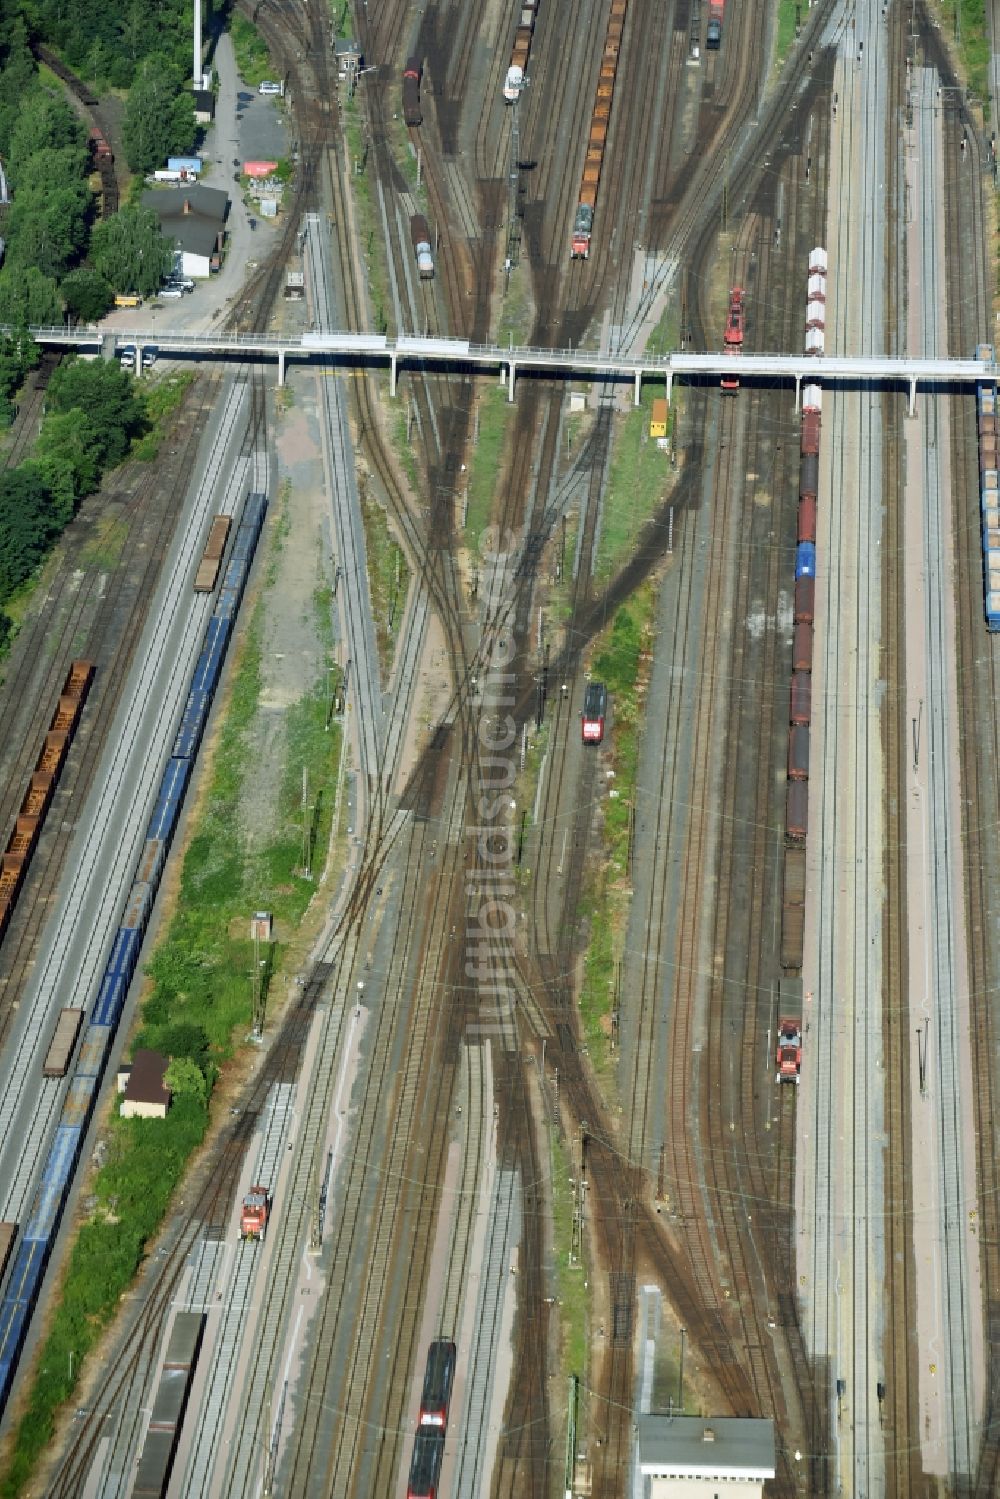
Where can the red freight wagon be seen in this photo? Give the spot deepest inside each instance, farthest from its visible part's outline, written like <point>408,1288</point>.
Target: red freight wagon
<point>809,474</point>
<point>800,703</point>
<point>805,600</point>
<point>807,518</point>
<point>797,810</point>
<point>802,647</point>
<point>798,753</point>
<point>811,424</point>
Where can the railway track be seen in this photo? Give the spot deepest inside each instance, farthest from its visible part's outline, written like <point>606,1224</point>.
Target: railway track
<point>978,672</point>
<point>88,614</point>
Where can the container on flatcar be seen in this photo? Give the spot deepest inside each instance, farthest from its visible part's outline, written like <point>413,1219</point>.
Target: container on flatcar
<point>987,424</point>
<point>38,795</point>
<point>815,313</point>
<point>805,560</point>
<point>812,398</point>
<point>993,612</point>
<point>802,647</point>
<point>8,1233</point>
<point>53,753</point>
<point>794,882</point>
<point>60,1050</point>
<point>815,341</point>
<point>797,810</point>
<point>816,287</point>
<point>24,837</point>
<point>793,923</point>
<point>800,698</point>
<point>810,432</point>
<point>818,263</point>
<point>807,518</point>
<point>798,753</point>
<point>66,714</point>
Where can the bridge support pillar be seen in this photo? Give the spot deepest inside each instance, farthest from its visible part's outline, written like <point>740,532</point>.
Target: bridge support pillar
<point>638,388</point>
<point>392,374</point>
<point>913,397</point>
<point>670,385</point>
<point>798,394</point>
<point>281,367</point>
<point>138,361</point>
<point>510,380</point>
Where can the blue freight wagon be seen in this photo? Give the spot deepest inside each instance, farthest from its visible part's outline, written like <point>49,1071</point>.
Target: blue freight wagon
<point>805,560</point>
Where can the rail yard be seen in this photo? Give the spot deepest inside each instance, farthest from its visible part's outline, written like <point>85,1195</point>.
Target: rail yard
<point>631,1054</point>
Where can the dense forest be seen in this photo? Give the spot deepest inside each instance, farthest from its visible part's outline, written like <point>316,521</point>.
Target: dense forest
<point>106,44</point>
<point>60,259</point>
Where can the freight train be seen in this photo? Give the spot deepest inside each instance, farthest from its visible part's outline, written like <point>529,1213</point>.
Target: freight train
<point>800,695</point>
<point>989,491</point>
<point>39,1233</point>
<point>35,803</point>
<point>514,81</point>
<point>583,222</point>
<point>159,1449</point>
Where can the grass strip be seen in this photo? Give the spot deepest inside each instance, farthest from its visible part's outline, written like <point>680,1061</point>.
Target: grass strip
<point>485,463</point>
<point>640,474</point>
<point>789,21</point>
<point>569,1274</point>
<point>200,1003</point>
<point>963,22</point>
<point>620,661</point>
<point>162,399</point>
<point>388,578</point>
<point>253,62</point>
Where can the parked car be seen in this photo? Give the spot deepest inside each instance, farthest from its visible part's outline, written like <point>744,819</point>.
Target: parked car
<point>170,293</point>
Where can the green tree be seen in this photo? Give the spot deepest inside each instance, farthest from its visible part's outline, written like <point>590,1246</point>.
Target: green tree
<point>18,354</point>
<point>102,394</point>
<point>44,123</point>
<point>27,525</point>
<point>28,298</point>
<point>70,455</point>
<point>88,296</point>
<point>159,116</point>
<point>18,76</point>
<point>181,1038</point>
<point>185,1078</point>
<point>129,251</point>
<point>48,225</point>
<point>6,631</point>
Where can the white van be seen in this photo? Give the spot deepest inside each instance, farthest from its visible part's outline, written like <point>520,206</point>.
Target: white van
<point>269,87</point>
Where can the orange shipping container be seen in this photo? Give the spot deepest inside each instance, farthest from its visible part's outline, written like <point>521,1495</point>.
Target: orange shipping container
<point>38,795</point>
<point>53,753</point>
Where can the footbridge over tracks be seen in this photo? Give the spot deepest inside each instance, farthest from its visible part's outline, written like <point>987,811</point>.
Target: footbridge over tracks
<point>365,349</point>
